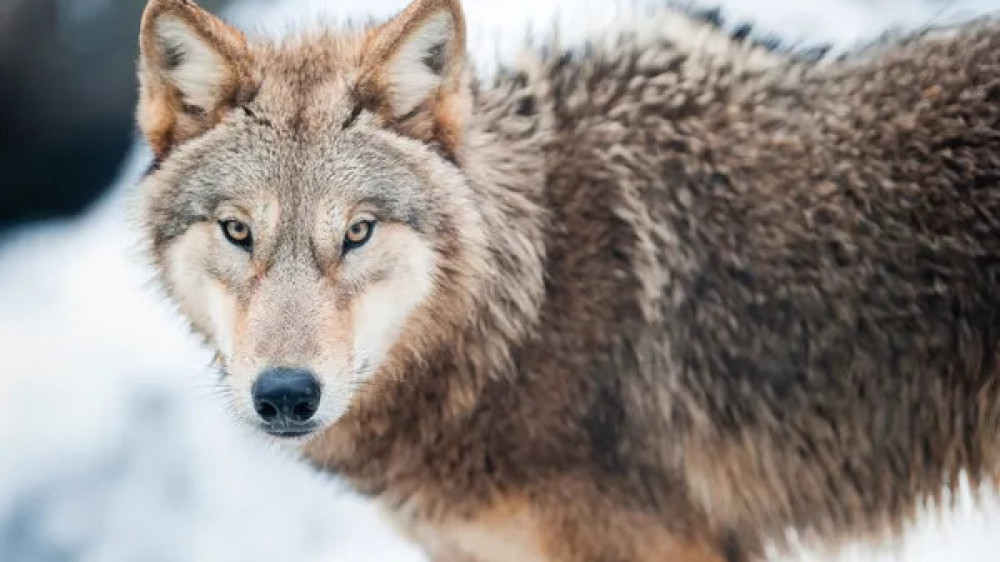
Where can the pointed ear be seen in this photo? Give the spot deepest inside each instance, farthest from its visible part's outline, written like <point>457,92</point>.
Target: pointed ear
<point>414,72</point>
<point>192,69</point>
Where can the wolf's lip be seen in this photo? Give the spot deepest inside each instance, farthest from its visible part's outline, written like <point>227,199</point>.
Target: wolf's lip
<point>289,432</point>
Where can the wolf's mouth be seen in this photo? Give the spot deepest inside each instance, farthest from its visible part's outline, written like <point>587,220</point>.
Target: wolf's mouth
<point>288,432</point>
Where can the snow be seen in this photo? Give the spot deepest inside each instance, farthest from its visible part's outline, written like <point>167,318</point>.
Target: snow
<point>113,446</point>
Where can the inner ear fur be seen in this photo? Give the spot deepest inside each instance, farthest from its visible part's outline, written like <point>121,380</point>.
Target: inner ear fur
<point>193,68</point>
<point>414,73</point>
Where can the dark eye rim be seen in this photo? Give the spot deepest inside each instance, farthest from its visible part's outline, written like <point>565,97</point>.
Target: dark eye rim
<point>246,243</point>
<point>351,244</point>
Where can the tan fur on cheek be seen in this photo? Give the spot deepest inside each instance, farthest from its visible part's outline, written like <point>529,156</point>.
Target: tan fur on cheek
<point>185,277</point>
<point>380,312</point>
<point>222,310</point>
<point>208,302</point>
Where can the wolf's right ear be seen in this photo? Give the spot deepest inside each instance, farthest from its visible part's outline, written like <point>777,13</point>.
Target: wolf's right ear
<point>192,69</point>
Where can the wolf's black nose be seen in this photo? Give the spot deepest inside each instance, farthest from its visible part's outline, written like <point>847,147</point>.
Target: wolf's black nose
<point>286,397</point>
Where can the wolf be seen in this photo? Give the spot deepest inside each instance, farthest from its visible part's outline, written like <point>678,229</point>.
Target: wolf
<point>661,297</point>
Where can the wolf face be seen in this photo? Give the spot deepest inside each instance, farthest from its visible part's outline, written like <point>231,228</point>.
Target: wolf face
<point>307,211</point>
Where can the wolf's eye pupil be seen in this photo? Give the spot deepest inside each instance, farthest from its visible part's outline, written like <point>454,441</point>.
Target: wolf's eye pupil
<point>238,233</point>
<point>358,233</point>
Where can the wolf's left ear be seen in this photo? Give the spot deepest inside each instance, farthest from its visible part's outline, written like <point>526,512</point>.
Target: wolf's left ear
<point>192,69</point>
<point>414,72</point>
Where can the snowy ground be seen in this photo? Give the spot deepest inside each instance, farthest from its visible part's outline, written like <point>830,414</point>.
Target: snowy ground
<point>112,446</point>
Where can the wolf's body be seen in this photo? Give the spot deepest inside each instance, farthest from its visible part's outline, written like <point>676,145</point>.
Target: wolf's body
<point>686,293</point>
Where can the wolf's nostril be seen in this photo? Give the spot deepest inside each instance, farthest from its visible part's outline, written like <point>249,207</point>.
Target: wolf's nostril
<point>267,411</point>
<point>283,396</point>
<point>303,411</point>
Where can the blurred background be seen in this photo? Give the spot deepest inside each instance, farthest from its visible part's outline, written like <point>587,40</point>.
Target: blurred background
<point>67,89</point>
<point>112,445</point>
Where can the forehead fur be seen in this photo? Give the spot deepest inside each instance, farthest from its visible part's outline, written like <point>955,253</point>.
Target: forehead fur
<point>318,177</point>
<point>308,81</point>
<point>299,141</point>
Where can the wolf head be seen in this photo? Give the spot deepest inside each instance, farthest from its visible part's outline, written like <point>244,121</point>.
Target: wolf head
<point>308,212</point>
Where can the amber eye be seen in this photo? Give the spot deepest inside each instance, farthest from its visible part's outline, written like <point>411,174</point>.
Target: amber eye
<point>238,233</point>
<point>358,233</point>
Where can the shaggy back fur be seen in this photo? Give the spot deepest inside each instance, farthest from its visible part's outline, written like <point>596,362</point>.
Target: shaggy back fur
<point>722,291</point>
